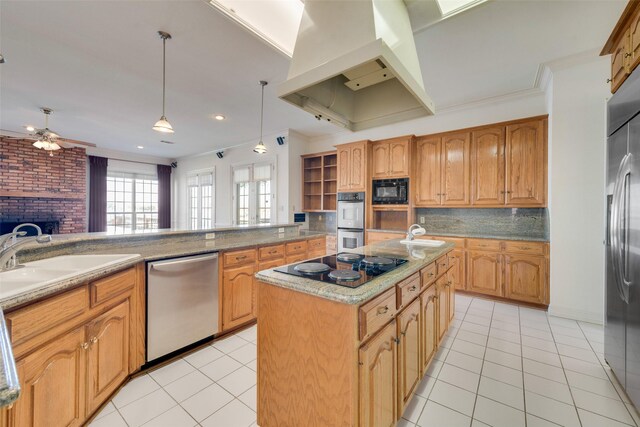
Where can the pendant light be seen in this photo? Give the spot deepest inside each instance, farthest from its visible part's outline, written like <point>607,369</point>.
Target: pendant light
<point>261,148</point>
<point>46,138</point>
<point>163,124</point>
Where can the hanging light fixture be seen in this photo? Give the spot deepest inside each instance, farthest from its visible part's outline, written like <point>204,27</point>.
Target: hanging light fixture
<point>46,138</point>
<point>261,148</point>
<point>163,124</point>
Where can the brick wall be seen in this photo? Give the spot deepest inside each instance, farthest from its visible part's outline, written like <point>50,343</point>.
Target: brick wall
<point>35,186</point>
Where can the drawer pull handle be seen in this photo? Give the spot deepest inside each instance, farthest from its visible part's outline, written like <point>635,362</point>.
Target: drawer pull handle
<point>238,258</point>
<point>413,288</point>
<point>273,252</point>
<point>383,310</point>
<point>525,248</point>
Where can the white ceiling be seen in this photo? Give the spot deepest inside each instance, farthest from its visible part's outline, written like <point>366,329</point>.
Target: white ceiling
<point>97,64</point>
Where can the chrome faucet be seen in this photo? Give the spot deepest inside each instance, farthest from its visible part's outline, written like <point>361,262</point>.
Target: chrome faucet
<point>419,231</point>
<point>10,244</point>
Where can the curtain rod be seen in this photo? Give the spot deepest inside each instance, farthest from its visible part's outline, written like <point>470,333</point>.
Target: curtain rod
<point>133,161</point>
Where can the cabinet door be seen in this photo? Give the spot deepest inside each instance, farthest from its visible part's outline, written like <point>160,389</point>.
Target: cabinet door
<point>525,164</point>
<point>487,167</point>
<point>344,168</point>
<point>620,62</point>
<point>108,354</point>
<point>378,379</point>
<point>408,353</point>
<point>451,295</point>
<point>428,333</point>
<point>456,177</point>
<point>442,289</point>
<point>237,296</point>
<point>457,270</point>
<point>525,278</point>
<point>53,382</point>
<point>399,159</point>
<point>358,167</point>
<point>428,172</point>
<point>484,273</point>
<point>380,159</point>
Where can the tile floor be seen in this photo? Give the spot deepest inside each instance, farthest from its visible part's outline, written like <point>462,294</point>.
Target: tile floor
<point>500,365</point>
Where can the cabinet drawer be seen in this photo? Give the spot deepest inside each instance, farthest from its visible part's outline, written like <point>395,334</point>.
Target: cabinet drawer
<point>271,252</point>
<point>407,290</point>
<point>246,256</point>
<point>375,314</point>
<point>532,248</point>
<point>38,319</point>
<point>442,264</point>
<point>317,254</point>
<point>315,245</point>
<point>483,244</point>
<point>428,274</point>
<point>266,265</point>
<point>112,286</point>
<point>295,248</point>
<point>296,258</point>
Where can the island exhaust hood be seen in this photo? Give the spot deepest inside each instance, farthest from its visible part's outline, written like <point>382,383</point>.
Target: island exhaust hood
<point>355,64</point>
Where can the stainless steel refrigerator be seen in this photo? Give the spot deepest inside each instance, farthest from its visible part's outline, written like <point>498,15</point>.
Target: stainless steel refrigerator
<point>622,327</point>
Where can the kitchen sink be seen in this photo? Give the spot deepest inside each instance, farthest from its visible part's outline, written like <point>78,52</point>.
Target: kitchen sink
<point>36,274</point>
<point>422,242</point>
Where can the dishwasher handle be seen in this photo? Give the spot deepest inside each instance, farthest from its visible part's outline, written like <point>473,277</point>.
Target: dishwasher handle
<point>169,265</point>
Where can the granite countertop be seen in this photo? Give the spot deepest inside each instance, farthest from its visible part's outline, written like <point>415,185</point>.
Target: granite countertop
<point>530,237</point>
<point>418,258</point>
<point>149,251</point>
<point>9,384</point>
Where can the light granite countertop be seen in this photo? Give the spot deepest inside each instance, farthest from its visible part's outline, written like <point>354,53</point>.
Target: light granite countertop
<point>529,237</point>
<point>417,256</point>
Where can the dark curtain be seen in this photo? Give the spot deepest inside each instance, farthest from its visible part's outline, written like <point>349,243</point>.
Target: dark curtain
<point>98,193</point>
<point>164,196</point>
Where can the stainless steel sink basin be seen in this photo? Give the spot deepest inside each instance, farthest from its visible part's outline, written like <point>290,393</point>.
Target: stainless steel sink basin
<point>423,242</point>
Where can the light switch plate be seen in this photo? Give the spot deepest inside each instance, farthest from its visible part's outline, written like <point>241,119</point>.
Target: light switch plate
<point>422,219</point>
<point>209,236</point>
<point>281,230</point>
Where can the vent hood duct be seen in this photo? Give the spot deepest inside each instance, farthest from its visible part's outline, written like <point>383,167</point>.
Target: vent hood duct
<point>355,64</point>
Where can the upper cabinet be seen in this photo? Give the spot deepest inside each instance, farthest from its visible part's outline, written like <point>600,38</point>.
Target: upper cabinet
<point>352,167</point>
<point>320,180</point>
<point>502,165</point>
<point>390,158</point>
<point>624,45</point>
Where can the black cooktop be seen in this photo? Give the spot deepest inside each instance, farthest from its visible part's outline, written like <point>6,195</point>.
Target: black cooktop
<point>344,269</point>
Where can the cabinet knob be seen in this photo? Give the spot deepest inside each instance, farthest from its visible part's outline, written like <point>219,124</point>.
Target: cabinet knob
<point>412,289</point>
<point>94,340</point>
<point>626,55</point>
<point>383,310</point>
<point>609,80</point>
<point>84,345</point>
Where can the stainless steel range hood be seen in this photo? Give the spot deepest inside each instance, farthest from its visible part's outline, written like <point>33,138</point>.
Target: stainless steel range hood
<point>355,64</point>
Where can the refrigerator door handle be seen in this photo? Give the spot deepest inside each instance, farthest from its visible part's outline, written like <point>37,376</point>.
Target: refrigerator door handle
<point>619,227</point>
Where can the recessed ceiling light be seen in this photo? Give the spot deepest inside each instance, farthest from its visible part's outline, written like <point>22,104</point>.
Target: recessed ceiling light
<point>219,117</point>
<point>140,147</point>
<point>30,128</point>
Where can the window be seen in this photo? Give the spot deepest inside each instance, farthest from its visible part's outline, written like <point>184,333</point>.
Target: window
<point>200,193</point>
<point>253,195</point>
<point>132,202</point>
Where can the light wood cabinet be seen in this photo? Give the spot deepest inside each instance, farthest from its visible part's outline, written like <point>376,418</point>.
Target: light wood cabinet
<point>487,166</point>
<point>525,278</point>
<point>380,236</point>
<point>458,269</point>
<point>620,61</point>
<point>525,155</point>
<point>427,171</point>
<point>390,158</point>
<point>455,183</point>
<point>319,182</point>
<point>624,45</point>
<point>634,41</point>
<point>238,297</point>
<point>409,367</point>
<point>352,167</point>
<point>484,273</point>
<point>378,383</point>
<point>429,326</point>
<point>443,292</point>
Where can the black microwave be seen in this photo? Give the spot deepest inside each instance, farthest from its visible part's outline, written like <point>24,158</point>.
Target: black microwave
<point>391,191</point>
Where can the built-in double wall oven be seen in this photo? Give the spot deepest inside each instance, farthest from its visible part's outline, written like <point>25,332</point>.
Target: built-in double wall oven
<point>390,191</point>
<point>350,220</point>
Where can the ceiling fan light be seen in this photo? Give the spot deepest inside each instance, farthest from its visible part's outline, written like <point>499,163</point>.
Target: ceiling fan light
<point>163,125</point>
<point>260,148</point>
<point>39,144</point>
<point>53,146</point>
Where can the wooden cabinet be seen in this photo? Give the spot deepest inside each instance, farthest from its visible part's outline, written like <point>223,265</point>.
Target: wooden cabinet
<point>484,273</point>
<point>429,326</point>
<point>53,381</point>
<point>443,292</point>
<point>487,166</point>
<point>457,271</point>
<point>455,184</point>
<point>427,171</point>
<point>634,41</point>
<point>378,379</point>
<point>319,182</point>
<point>451,296</point>
<point>390,158</point>
<point>525,170</point>
<point>352,166</point>
<point>380,236</point>
<point>238,297</point>
<point>409,368</point>
<point>107,355</point>
<point>525,278</point>
<point>624,45</point>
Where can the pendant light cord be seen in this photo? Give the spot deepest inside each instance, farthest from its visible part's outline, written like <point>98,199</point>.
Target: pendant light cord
<point>164,69</point>
<point>261,110</point>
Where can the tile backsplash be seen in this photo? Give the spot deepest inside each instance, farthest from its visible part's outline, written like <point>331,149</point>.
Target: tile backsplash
<point>322,221</point>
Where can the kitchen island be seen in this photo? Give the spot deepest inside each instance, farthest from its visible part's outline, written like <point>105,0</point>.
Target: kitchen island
<point>336,356</point>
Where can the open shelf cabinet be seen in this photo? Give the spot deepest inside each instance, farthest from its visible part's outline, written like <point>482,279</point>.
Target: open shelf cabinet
<point>320,184</point>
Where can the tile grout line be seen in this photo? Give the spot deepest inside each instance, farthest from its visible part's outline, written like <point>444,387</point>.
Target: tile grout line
<point>475,402</point>
<point>524,392</point>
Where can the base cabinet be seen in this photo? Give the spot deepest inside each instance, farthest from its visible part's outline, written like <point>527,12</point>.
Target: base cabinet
<point>484,273</point>
<point>378,384</point>
<point>428,327</point>
<point>409,368</point>
<point>238,290</point>
<point>525,277</point>
<point>443,292</point>
<point>458,270</point>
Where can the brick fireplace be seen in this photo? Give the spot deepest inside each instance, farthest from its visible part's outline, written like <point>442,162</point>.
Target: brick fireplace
<point>35,187</point>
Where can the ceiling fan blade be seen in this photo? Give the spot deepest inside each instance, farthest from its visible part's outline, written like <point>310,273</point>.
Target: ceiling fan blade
<point>16,135</point>
<point>74,142</point>
<point>64,142</point>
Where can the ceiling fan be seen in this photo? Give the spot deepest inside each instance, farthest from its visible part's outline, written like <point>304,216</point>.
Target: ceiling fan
<point>45,138</point>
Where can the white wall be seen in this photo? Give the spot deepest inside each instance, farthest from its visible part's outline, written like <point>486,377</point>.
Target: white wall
<point>238,155</point>
<point>577,182</point>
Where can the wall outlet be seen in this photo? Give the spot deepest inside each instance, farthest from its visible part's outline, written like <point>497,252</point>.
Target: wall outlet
<point>281,230</point>
<point>209,236</point>
<point>319,217</point>
<point>422,219</point>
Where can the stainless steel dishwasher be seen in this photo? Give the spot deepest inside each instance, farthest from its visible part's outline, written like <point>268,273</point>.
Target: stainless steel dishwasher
<point>182,303</point>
